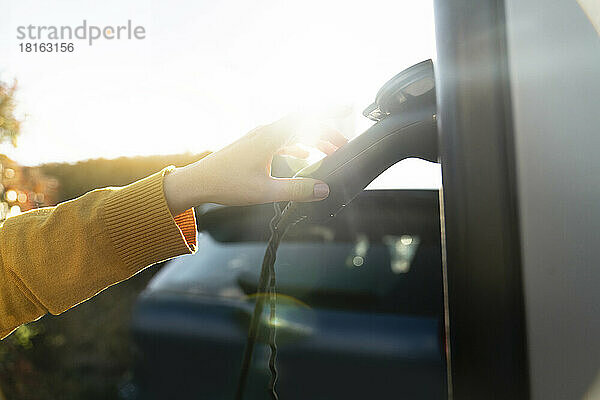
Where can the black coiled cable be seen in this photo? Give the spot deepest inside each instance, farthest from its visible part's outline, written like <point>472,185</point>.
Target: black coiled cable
<point>266,285</point>
<point>272,316</point>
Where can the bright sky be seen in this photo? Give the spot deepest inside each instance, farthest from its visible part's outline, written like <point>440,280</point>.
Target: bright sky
<point>206,73</point>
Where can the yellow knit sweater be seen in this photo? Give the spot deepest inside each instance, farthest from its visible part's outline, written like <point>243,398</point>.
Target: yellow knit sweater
<point>54,258</point>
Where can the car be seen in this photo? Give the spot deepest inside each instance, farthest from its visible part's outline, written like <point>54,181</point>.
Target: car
<point>359,305</point>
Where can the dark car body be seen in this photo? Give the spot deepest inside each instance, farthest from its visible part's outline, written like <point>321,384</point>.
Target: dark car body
<point>359,310</point>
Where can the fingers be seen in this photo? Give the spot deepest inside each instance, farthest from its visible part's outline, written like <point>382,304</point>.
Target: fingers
<point>294,151</point>
<point>333,136</point>
<point>280,133</point>
<point>298,189</point>
<point>294,129</point>
<point>326,147</point>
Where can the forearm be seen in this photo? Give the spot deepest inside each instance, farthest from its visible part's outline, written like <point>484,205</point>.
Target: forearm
<point>185,188</point>
<point>54,258</point>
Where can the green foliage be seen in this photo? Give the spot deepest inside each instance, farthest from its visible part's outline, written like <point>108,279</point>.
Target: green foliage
<point>10,126</point>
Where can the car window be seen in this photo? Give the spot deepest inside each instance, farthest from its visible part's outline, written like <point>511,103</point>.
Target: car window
<point>367,258</point>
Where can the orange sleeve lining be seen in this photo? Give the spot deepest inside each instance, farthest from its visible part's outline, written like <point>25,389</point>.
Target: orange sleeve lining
<point>186,221</point>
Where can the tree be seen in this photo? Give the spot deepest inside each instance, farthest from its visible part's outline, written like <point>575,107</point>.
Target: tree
<point>10,126</point>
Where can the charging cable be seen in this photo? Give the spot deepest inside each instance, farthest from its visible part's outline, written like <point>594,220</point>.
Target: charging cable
<point>266,285</point>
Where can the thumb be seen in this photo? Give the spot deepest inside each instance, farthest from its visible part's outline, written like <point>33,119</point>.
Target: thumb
<point>299,189</point>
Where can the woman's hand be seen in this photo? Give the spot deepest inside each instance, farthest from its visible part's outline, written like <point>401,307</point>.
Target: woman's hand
<point>240,174</point>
